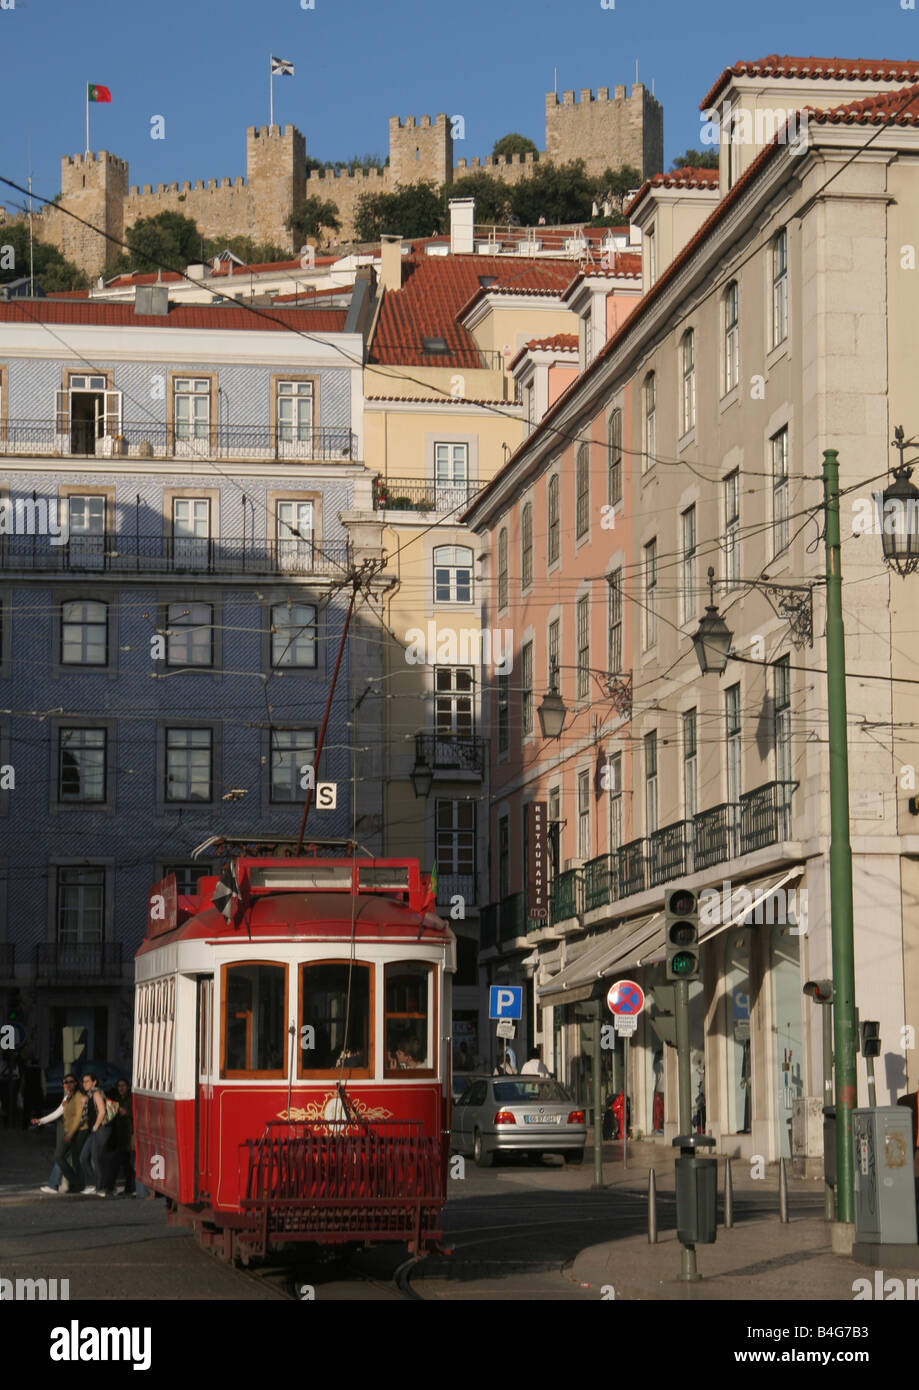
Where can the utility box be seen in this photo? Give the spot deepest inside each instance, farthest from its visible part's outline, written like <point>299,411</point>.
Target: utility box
<point>829,1144</point>
<point>696,1196</point>
<point>885,1195</point>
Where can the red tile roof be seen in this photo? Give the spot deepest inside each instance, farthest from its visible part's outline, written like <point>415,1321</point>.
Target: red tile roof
<point>559,342</point>
<point>899,108</point>
<point>437,290</point>
<point>171,277</point>
<point>827,69</point>
<point>236,316</point>
<point>704,179</point>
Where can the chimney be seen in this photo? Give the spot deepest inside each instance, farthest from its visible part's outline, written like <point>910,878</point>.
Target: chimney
<point>391,262</point>
<point>462,222</point>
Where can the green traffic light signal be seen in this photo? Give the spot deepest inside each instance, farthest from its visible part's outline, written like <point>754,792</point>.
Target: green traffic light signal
<point>683,964</point>
<point>681,933</point>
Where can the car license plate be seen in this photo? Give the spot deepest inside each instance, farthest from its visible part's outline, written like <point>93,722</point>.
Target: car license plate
<point>541,1119</point>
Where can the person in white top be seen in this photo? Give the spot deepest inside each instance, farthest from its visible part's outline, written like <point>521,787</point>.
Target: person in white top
<point>535,1066</point>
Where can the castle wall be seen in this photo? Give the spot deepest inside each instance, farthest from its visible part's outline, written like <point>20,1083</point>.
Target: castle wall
<point>344,189</point>
<point>606,133</point>
<point>508,168</point>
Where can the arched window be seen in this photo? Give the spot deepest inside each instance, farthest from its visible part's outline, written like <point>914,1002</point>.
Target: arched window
<point>502,568</point>
<point>614,442</point>
<point>731,337</point>
<point>688,371</point>
<point>453,574</point>
<point>526,545</point>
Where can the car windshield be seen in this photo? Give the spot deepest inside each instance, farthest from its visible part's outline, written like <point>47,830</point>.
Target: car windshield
<point>509,1092</point>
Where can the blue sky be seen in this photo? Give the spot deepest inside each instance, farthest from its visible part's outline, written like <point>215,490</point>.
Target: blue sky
<point>204,68</point>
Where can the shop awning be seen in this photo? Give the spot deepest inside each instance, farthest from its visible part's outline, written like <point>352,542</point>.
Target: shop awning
<point>576,982</point>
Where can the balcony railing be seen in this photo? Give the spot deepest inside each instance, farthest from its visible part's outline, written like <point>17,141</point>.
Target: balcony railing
<point>488,927</point>
<point>761,818</point>
<point>450,886</point>
<point>510,923</point>
<point>7,960</point>
<point>89,554</point>
<point>53,960</point>
<point>452,752</point>
<point>150,440</point>
<point>411,495</point>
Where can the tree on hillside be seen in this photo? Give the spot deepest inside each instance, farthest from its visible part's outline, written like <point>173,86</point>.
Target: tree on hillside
<point>492,196</point>
<point>311,217</point>
<point>560,193</point>
<point>252,252</point>
<point>615,184</point>
<point>168,241</point>
<point>514,144</point>
<point>50,270</point>
<point>694,159</point>
<point>413,211</point>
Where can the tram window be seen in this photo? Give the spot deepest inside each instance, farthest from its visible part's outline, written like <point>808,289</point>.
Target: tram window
<point>408,995</point>
<point>335,1002</point>
<point>253,1009</point>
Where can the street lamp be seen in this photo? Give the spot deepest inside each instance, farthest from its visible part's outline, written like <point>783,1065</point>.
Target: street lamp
<point>552,710</point>
<point>713,637</point>
<point>422,776</point>
<point>900,514</point>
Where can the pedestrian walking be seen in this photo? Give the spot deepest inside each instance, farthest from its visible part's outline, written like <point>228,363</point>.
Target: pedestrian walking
<point>122,1152</point>
<point>95,1118</point>
<point>65,1172</point>
<point>534,1065</point>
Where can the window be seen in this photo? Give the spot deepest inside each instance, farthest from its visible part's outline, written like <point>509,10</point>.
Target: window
<point>614,442</point>
<point>731,337</point>
<point>80,906</point>
<point>732,730</point>
<point>614,779</point>
<point>552,521</point>
<point>335,1002</point>
<point>731,489</point>
<point>294,525</point>
<point>782,700</point>
<point>780,491</point>
<point>433,347</point>
<point>84,633</point>
<point>554,817</point>
<point>455,837</point>
<point>529,397</point>
<point>190,634</point>
<point>688,587</point>
<point>650,422</point>
<point>614,644</point>
<point>191,530</point>
<point>291,750</point>
<point>526,545</point>
<point>651,783</point>
<point>453,695</point>
<point>526,689</point>
<point>81,765</point>
<point>502,568</point>
<point>583,655</point>
<point>780,287</point>
<point>688,370</point>
<point>504,857</point>
<point>295,411</point>
<point>186,875</point>
<point>293,634</point>
<point>86,521</point>
<point>504,723</point>
<point>650,612</point>
<point>584,846</point>
<point>651,244</point>
<point>188,764</point>
<point>192,398</point>
<point>690,799</point>
<point>452,574</point>
<point>254,1022</point>
<point>552,654</point>
<point>406,1024</point>
<point>582,487</point>
<point>451,474</point>
<point>588,327</point>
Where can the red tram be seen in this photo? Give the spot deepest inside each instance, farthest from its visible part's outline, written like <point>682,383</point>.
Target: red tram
<point>291,1054</point>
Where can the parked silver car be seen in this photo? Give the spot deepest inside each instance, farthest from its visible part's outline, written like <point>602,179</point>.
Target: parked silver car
<point>517,1114</point>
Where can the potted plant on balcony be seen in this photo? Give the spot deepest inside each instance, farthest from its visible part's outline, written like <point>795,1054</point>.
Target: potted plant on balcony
<point>400,504</point>
<point>425,505</point>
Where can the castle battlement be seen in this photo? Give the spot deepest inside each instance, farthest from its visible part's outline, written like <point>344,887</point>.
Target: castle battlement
<point>570,99</point>
<point>379,175</point>
<point>501,161</point>
<point>102,157</point>
<point>272,132</point>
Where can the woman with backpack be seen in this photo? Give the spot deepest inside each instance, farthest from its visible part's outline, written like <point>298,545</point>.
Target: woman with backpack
<point>96,1119</point>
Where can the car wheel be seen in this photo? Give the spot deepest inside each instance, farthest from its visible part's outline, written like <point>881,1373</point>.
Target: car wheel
<point>576,1157</point>
<point>484,1157</point>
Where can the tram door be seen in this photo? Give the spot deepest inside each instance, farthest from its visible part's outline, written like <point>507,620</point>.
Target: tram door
<point>204,1088</point>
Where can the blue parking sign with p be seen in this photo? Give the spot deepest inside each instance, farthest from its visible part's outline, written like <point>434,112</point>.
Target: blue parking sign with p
<point>505,1001</point>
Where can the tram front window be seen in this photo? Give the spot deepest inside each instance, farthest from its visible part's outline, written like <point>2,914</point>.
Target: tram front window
<point>253,1040</point>
<point>407,1008</point>
<point>335,1018</point>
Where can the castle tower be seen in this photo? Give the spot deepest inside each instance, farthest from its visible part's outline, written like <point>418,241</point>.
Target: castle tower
<point>276,177</point>
<point>94,186</point>
<point>605,133</point>
<point>419,152</point>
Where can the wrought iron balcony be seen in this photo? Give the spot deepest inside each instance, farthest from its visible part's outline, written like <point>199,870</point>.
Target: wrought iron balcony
<point>488,927</point>
<point>631,868</point>
<point>55,961</point>
<point>511,924</point>
<point>765,815</point>
<point>596,882</point>
<point>120,554</point>
<point>565,896</point>
<point>452,752</point>
<point>667,854</point>
<point>148,439</point>
<point>450,886</point>
<point>713,833</point>
<point>413,495</point>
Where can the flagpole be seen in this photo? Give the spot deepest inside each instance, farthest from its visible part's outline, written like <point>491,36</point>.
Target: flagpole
<point>87,119</point>
<point>270,96</point>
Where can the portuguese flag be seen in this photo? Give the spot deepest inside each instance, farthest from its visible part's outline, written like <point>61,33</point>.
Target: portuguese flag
<point>96,93</point>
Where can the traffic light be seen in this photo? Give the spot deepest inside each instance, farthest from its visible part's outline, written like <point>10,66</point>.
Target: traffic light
<point>681,933</point>
<point>870,1038</point>
<point>14,1005</point>
<point>821,991</point>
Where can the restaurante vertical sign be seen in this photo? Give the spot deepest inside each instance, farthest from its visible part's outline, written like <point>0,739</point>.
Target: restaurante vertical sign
<point>537,902</point>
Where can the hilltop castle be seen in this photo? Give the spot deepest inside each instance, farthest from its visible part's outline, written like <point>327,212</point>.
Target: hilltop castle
<point>604,131</point>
